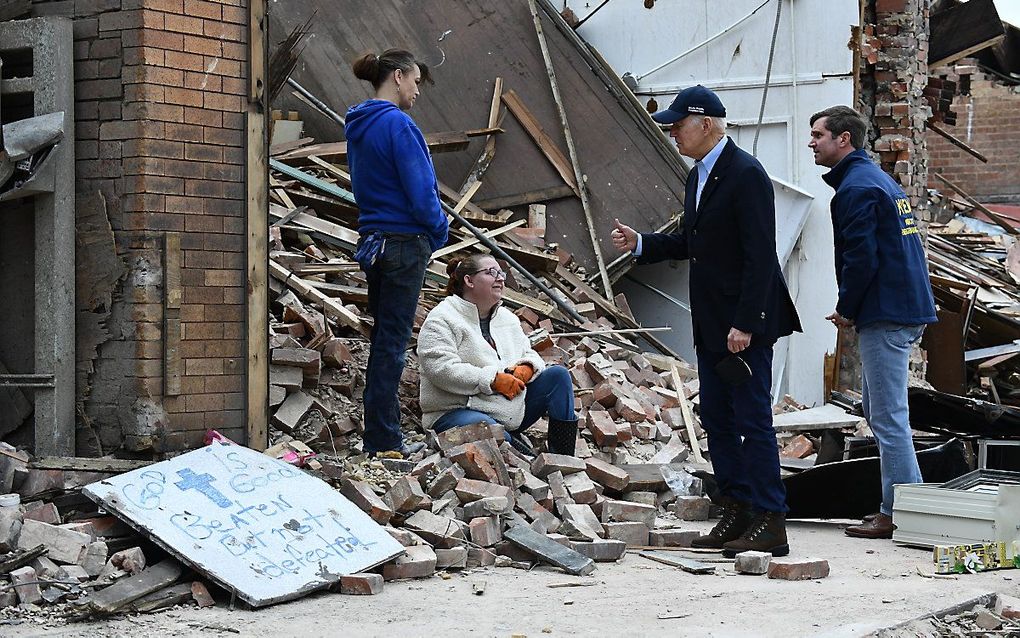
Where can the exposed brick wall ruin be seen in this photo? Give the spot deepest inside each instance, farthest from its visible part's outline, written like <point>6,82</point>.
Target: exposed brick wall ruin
<point>159,88</point>
<point>988,119</point>
<point>894,73</point>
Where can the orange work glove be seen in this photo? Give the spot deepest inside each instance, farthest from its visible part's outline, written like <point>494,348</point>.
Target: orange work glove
<point>523,371</point>
<point>507,384</point>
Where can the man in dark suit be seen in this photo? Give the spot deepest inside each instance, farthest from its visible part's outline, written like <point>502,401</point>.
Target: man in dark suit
<point>740,306</point>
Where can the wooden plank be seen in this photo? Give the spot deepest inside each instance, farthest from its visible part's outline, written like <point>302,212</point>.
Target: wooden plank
<point>286,147</point>
<point>472,240</point>
<point>466,197</point>
<point>20,558</point>
<point>173,291</point>
<point>333,233</point>
<point>955,141</point>
<point>87,464</point>
<point>607,285</point>
<point>541,138</point>
<point>257,223</point>
<point>349,294</point>
<point>162,574</point>
<point>329,307</point>
<point>489,150</point>
<point>252,501</point>
<point>687,414</point>
<point>688,565</point>
<point>530,197</point>
<point>1006,225</point>
<point>444,142</point>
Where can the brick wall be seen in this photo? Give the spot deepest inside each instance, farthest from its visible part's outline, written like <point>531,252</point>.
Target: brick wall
<point>160,88</point>
<point>894,73</point>
<point>988,119</point>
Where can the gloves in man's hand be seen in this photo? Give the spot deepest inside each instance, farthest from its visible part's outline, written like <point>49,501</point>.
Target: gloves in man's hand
<point>523,371</point>
<point>507,384</point>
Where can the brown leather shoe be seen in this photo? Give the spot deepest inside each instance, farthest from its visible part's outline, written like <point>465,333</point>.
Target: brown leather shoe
<point>879,527</point>
<point>736,518</point>
<point>870,517</point>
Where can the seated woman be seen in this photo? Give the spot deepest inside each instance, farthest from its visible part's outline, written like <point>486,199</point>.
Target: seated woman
<point>477,364</point>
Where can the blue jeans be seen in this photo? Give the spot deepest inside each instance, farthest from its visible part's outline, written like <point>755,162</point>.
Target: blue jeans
<point>550,393</point>
<point>741,439</point>
<point>885,353</point>
<point>394,283</point>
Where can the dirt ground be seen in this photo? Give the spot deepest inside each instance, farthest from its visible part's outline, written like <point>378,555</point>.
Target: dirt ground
<point>872,584</point>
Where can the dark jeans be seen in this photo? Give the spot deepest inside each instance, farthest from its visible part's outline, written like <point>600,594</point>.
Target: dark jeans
<point>550,393</point>
<point>394,283</point>
<point>741,439</point>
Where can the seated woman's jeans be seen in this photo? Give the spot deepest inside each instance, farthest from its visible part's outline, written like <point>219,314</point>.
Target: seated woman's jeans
<point>550,394</point>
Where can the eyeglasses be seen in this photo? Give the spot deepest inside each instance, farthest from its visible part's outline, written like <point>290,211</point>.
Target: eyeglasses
<point>493,272</point>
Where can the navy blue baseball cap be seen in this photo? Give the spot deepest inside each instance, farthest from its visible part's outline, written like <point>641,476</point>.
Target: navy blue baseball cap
<point>694,100</point>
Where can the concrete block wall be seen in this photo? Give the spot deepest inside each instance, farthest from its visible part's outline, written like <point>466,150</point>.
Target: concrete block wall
<point>988,119</point>
<point>894,73</point>
<point>160,89</point>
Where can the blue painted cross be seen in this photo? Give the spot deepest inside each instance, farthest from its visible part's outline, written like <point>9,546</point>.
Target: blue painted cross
<point>202,483</point>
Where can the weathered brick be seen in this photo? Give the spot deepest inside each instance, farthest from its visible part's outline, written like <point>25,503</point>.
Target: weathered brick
<point>361,584</point>
<point>418,561</point>
<point>805,569</point>
<point>756,563</point>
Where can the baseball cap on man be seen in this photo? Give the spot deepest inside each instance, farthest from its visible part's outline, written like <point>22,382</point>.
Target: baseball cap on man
<point>694,100</point>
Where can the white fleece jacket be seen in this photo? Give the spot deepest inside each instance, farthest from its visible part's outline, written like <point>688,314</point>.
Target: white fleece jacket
<point>458,365</point>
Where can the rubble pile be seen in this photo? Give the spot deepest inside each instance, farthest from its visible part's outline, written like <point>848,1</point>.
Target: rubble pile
<point>58,552</point>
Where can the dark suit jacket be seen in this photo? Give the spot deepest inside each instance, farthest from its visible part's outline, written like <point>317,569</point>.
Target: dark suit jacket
<point>730,240</point>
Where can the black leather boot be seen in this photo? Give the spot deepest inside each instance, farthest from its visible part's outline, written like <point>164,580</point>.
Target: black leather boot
<point>736,518</point>
<point>562,437</point>
<point>766,534</point>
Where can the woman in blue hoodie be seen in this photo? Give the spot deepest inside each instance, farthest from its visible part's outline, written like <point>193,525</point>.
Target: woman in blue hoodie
<point>401,223</point>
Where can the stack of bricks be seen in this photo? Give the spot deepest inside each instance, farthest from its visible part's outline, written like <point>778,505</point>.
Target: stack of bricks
<point>893,78</point>
<point>989,122</point>
<point>160,89</point>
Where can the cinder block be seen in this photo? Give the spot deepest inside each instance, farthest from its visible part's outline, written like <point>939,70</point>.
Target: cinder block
<point>11,521</point>
<point>601,551</point>
<point>453,558</point>
<point>485,531</point>
<point>624,511</point>
<point>806,569</point>
<point>65,546</point>
<point>361,584</point>
<point>95,558</point>
<point>692,508</point>
<point>24,581</point>
<point>671,538</point>
<point>418,561</point>
<point>756,563</point>
<point>632,533</point>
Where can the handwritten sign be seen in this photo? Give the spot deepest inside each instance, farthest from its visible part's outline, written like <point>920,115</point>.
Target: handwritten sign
<point>255,525</point>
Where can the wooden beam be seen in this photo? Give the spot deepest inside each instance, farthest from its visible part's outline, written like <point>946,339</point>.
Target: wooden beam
<point>173,292</point>
<point>329,307</point>
<point>472,240</point>
<point>444,142</point>
<point>607,285</point>
<point>545,143</point>
<point>955,141</point>
<point>685,412</point>
<point>257,230</point>
<point>1008,227</point>
<point>523,199</point>
<point>489,150</point>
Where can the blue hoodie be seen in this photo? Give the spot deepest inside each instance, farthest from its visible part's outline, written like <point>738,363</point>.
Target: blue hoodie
<point>880,264</point>
<point>391,173</point>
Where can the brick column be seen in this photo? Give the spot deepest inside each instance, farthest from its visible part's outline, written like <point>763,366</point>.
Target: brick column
<point>160,93</point>
<point>893,76</point>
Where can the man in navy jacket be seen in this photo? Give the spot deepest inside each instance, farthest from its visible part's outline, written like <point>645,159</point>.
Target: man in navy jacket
<point>740,306</point>
<point>884,292</point>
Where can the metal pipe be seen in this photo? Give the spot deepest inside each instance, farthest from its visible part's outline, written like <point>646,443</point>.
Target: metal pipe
<point>319,104</point>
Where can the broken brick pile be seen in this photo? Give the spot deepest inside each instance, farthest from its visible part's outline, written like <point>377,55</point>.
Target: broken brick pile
<point>57,550</point>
